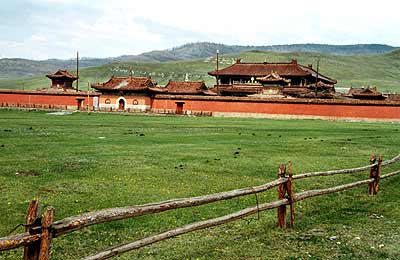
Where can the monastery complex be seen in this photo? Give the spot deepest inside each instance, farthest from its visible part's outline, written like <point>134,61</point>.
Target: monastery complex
<point>242,89</point>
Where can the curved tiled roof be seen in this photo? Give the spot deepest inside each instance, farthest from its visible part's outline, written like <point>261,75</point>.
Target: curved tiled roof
<point>238,88</point>
<point>320,76</point>
<point>186,87</point>
<point>265,68</point>
<point>273,77</point>
<point>364,92</point>
<point>62,74</point>
<point>126,83</point>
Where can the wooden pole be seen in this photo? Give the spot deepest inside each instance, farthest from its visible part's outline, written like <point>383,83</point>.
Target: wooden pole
<point>372,173</point>
<point>88,97</point>
<point>290,187</point>
<point>217,77</point>
<point>377,176</point>
<point>70,224</point>
<point>316,83</point>
<point>345,171</point>
<point>24,239</point>
<point>117,250</point>
<point>31,252</point>
<point>281,195</point>
<point>45,245</point>
<point>77,71</point>
<point>19,240</point>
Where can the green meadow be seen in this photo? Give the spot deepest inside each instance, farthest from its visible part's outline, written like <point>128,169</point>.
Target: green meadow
<point>380,70</point>
<point>84,162</point>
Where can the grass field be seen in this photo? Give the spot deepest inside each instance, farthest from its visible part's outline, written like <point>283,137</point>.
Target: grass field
<point>382,71</point>
<point>84,162</point>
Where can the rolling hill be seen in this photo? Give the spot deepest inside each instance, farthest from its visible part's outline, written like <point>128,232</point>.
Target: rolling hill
<point>17,68</point>
<point>207,49</point>
<point>380,70</point>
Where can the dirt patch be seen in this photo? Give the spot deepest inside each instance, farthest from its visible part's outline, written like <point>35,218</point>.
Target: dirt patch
<point>27,173</point>
<point>66,167</point>
<point>47,190</point>
<point>72,166</point>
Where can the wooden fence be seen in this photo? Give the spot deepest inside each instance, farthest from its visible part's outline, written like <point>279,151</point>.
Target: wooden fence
<point>40,230</point>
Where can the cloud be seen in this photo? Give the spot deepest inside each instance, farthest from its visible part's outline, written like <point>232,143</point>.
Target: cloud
<point>102,28</point>
<point>38,38</point>
<point>248,22</point>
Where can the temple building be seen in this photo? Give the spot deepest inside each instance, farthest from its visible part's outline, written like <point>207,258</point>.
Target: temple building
<point>267,90</point>
<point>369,93</point>
<point>136,93</point>
<point>62,80</point>
<point>243,79</point>
<point>126,93</point>
<point>187,88</point>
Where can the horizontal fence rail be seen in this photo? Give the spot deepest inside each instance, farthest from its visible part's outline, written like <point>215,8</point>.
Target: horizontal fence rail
<point>225,219</point>
<point>41,230</point>
<point>68,225</point>
<point>344,171</point>
<point>15,241</point>
<point>71,224</point>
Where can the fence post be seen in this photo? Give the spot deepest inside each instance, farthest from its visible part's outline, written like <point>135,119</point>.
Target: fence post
<point>372,174</point>
<point>31,252</point>
<point>45,244</point>
<point>377,176</point>
<point>290,192</point>
<point>281,195</point>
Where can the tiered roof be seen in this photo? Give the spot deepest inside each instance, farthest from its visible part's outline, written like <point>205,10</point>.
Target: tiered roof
<point>273,77</point>
<point>365,93</point>
<point>186,87</point>
<point>62,74</point>
<point>242,89</point>
<point>263,69</point>
<point>126,84</point>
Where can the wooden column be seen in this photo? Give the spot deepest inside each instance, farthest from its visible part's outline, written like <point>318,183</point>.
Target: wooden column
<point>45,245</point>
<point>377,176</point>
<point>290,187</point>
<point>372,173</point>
<point>281,195</point>
<point>31,252</point>
<point>375,173</point>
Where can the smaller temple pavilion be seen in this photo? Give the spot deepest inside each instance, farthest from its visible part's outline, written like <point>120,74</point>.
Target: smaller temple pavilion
<point>126,93</point>
<point>369,93</point>
<point>187,88</point>
<point>125,85</point>
<point>62,80</point>
<point>242,79</point>
<point>136,93</point>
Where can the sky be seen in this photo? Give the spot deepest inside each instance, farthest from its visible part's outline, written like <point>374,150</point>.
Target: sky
<point>42,29</point>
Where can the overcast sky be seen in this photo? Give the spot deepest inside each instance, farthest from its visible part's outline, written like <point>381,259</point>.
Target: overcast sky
<point>41,29</point>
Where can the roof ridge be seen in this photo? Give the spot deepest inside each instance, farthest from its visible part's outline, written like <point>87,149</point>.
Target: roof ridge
<point>127,77</point>
<point>190,81</point>
<point>266,62</point>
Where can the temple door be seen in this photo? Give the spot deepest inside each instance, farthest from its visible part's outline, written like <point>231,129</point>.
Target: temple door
<point>179,108</point>
<point>79,103</point>
<point>121,104</point>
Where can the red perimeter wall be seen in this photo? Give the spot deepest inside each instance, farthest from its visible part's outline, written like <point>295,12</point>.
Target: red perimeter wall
<point>206,105</point>
<point>332,108</point>
<point>68,100</point>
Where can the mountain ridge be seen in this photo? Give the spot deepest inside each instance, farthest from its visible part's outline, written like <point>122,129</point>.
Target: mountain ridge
<point>382,70</point>
<point>18,67</point>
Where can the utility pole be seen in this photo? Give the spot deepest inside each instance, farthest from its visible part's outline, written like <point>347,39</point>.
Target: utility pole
<point>316,83</point>
<point>217,77</point>
<point>88,97</point>
<point>77,71</point>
